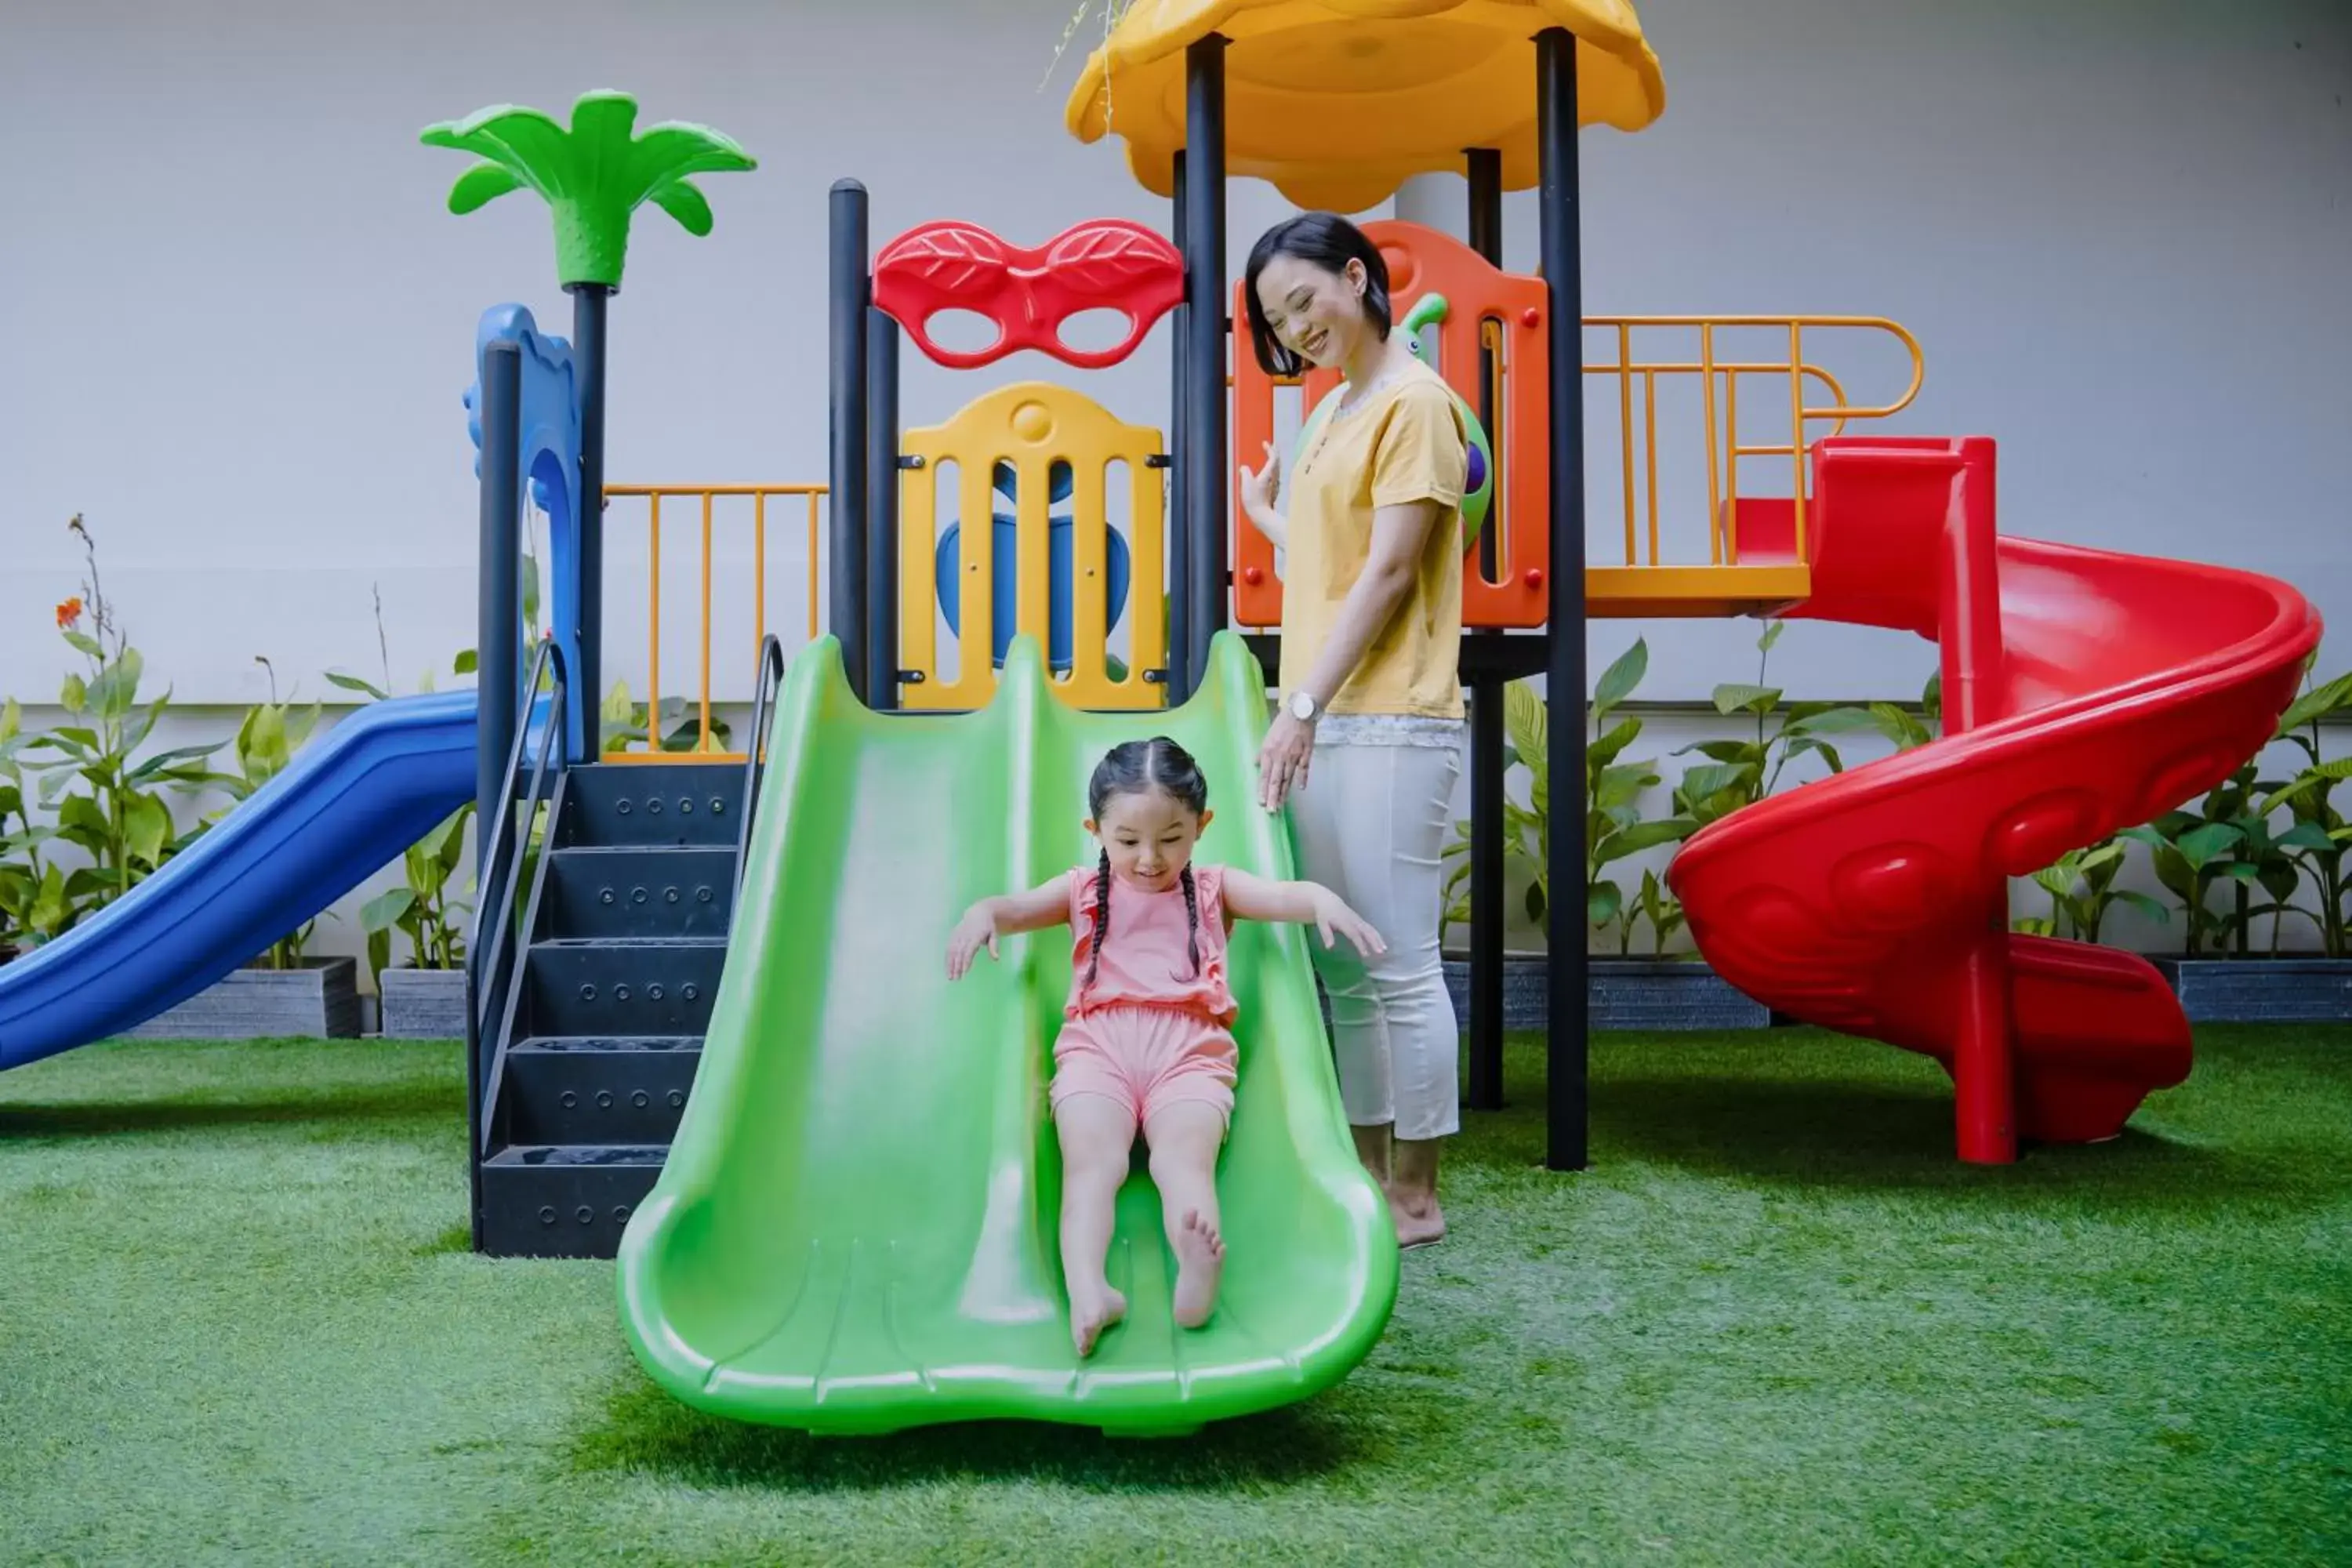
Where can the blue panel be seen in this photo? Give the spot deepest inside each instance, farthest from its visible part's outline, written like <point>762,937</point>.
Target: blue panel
<point>1005,585</point>
<point>549,460</point>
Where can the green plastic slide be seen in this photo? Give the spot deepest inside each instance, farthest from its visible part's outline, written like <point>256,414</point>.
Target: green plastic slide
<point>857,1229</point>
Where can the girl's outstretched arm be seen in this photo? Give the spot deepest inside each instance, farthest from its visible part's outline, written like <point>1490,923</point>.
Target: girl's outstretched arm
<point>1009,914</point>
<point>1255,899</point>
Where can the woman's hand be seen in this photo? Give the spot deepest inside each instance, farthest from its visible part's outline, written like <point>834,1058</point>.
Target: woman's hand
<point>1333,915</point>
<point>976,929</point>
<point>1262,490</point>
<point>1282,761</point>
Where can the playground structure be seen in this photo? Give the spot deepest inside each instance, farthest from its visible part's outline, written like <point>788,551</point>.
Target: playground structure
<point>707,1032</point>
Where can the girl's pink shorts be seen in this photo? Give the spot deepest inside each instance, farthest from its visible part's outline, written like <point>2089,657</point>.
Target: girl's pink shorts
<point>1145,1059</point>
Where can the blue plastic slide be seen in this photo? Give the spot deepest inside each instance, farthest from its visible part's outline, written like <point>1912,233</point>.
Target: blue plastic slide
<point>349,802</point>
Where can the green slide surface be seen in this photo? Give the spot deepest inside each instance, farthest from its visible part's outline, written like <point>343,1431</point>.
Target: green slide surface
<point>857,1229</point>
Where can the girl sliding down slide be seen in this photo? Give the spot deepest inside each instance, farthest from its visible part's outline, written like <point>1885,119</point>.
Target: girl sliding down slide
<point>1147,1038</point>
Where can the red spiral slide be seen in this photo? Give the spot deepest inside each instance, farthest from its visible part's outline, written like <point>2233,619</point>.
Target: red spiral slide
<point>2085,691</point>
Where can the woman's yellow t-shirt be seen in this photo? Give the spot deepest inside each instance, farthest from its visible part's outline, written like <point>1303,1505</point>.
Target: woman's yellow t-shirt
<point>1404,444</point>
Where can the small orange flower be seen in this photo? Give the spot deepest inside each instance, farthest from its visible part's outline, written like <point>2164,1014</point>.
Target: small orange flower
<point>69,614</point>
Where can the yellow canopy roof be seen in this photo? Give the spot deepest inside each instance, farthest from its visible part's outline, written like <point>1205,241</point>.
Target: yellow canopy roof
<point>1338,102</point>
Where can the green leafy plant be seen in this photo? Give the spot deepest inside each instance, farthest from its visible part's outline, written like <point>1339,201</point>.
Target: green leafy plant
<point>33,903</point>
<point>265,742</point>
<point>2081,884</point>
<point>2315,840</point>
<point>1664,910</point>
<point>624,722</point>
<point>1614,825</point>
<point>2192,850</point>
<point>1907,732</point>
<point>104,800</point>
<point>426,908</point>
<point>1613,828</point>
<point>1742,771</point>
<point>592,177</point>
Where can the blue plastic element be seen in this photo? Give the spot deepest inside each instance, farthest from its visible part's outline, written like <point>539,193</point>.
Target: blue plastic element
<point>351,800</point>
<point>548,462</point>
<point>1004,595</point>
<point>1005,599</point>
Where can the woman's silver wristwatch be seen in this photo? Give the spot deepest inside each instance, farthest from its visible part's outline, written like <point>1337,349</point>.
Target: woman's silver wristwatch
<point>1302,706</point>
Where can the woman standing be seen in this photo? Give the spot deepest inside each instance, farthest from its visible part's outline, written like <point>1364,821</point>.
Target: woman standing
<point>1372,709</point>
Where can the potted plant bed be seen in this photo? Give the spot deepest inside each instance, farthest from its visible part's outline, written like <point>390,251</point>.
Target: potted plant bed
<point>2312,989</point>
<point>318,998</point>
<point>423,1004</point>
<point>1672,994</point>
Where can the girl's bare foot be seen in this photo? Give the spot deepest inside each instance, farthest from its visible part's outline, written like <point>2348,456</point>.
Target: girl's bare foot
<point>1091,1313</point>
<point>1200,1265</point>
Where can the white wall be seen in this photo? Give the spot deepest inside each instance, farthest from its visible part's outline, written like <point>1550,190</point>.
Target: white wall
<point>237,320</point>
<point>240,321</point>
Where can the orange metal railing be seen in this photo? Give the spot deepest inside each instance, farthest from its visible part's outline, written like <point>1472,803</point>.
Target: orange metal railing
<point>1813,401</point>
<point>704,499</point>
<point>1719,394</point>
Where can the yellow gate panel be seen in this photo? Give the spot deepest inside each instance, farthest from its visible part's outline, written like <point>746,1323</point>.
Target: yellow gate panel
<point>1031,427</point>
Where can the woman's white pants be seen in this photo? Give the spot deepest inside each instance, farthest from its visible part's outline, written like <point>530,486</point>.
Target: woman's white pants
<point>1372,824</point>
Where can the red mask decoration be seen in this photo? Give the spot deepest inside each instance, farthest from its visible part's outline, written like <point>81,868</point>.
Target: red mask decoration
<point>1102,264</point>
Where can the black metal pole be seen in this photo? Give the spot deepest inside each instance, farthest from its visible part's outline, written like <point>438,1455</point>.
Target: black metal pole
<point>588,303</point>
<point>882,507</point>
<point>1208,482</point>
<point>1567,1058</point>
<point>849,293</point>
<point>498,627</point>
<point>1180,490</point>
<point>1487,875</point>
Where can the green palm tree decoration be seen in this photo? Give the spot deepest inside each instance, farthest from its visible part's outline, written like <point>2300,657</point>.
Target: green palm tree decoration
<point>592,177</point>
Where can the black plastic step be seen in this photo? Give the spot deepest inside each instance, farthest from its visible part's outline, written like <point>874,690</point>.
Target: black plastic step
<point>601,1089</point>
<point>610,804</point>
<point>564,1200</point>
<point>633,986</point>
<point>667,891</point>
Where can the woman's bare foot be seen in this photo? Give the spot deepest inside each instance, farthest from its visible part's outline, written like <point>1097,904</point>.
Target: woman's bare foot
<point>1418,1220</point>
<point>1091,1313</point>
<point>1413,1193</point>
<point>1200,1265</point>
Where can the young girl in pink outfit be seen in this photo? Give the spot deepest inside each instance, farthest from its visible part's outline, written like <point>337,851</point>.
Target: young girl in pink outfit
<point>1146,1041</point>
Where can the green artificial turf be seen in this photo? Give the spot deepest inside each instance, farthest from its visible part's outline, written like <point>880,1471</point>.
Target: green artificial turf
<point>1774,1324</point>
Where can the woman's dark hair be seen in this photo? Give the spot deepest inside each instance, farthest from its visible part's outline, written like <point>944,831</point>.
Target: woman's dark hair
<point>1133,767</point>
<point>1330,242</point>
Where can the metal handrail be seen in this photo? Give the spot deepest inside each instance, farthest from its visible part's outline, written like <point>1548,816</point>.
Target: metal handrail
<point>755,762</point>
<point>497,917</point>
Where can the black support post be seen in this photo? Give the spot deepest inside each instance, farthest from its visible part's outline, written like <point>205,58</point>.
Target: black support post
<point>1567,1061</point>
<point>882,509</point>
<point>1180,490</point>
<point>849,293</point>
<point>497,629</point>
<point>588,306</point>
<point>501,615</point>
<point>1207,482</point>
<point>1487,730</point>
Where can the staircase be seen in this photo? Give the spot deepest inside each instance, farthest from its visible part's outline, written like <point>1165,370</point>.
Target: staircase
<point>626,920</point>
